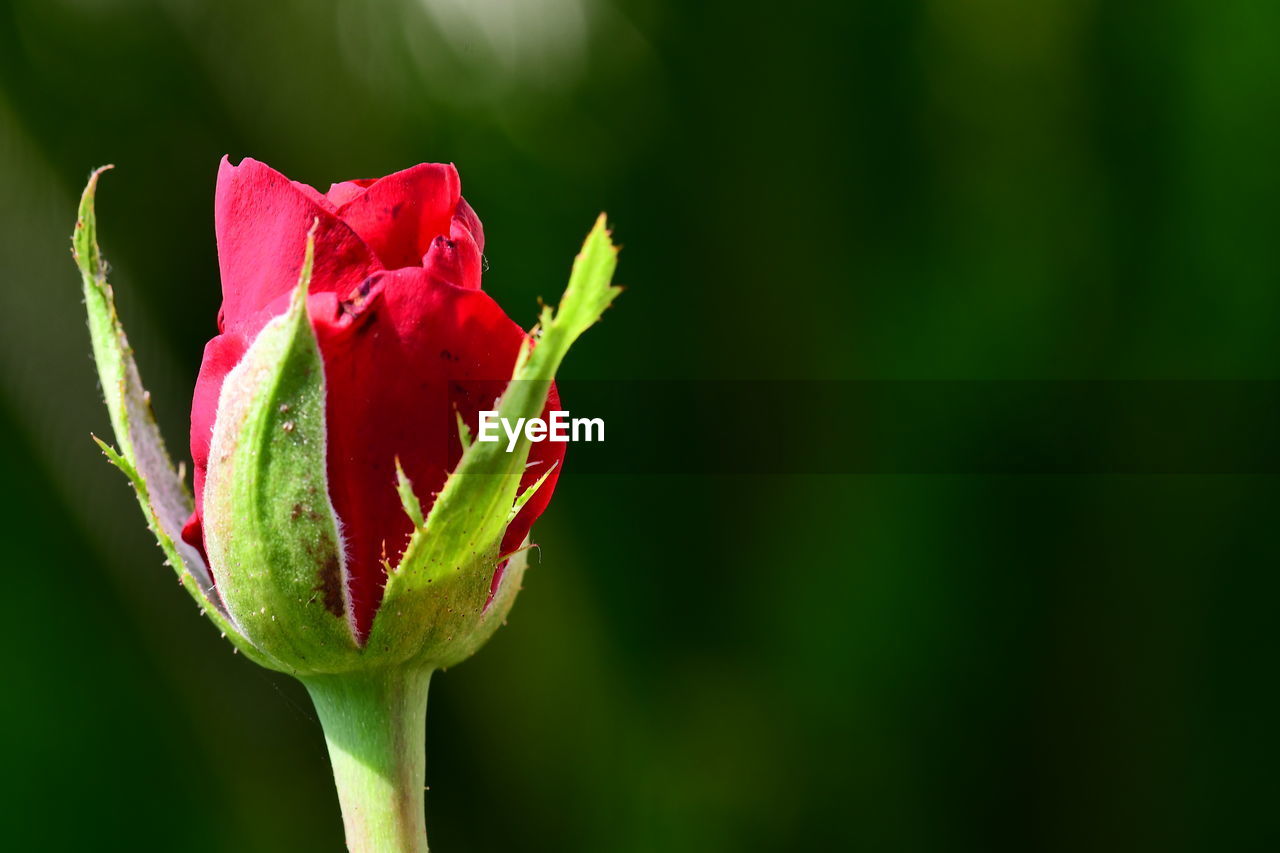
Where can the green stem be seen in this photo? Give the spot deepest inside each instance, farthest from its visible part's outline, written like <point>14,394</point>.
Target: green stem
<point>375,725</point>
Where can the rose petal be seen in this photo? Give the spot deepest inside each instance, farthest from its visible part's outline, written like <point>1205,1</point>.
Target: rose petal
<point>454,259</point>
<point>398,216</point>
<point>220,355</point>
<point>345,191</point>
<point>262,219</point>
<point>465,217</point>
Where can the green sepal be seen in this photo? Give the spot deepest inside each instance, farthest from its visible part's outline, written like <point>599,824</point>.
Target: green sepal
<point>524,496</point>
<point>268,520</point>
<point>443,580</point>
<point>464,431</point>
<point>142,456</point>
<point>409,500</point>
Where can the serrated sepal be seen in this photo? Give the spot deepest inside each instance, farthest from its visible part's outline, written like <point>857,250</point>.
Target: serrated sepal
<point>442,585</point>
<point>271,532</point>
<point>142,455</point>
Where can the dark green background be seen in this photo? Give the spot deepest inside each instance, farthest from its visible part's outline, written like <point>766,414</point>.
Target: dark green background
<point>889,190</point>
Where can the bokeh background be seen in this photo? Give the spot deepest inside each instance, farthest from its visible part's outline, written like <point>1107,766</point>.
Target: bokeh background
<point>920,189</point>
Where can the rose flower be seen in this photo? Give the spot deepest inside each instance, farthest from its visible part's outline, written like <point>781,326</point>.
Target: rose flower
<point>345,527</point>
<point>407,338</point>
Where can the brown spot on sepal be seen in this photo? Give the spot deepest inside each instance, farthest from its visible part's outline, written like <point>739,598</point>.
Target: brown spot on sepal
<point>330,585</point>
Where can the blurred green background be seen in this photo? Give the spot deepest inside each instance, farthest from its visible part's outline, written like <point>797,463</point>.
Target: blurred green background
<point>890,190</point>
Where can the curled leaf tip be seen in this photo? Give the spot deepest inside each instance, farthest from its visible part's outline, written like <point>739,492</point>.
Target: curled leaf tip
<point>92,184</point>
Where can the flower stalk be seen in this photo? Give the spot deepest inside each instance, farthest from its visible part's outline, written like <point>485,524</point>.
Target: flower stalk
<point>375,727</point>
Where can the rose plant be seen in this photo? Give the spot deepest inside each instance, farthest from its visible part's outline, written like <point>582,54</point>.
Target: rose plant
<point>344,527</point>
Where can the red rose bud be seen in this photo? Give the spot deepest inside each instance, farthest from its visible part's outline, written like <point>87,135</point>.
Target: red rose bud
<point>343,520</point>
